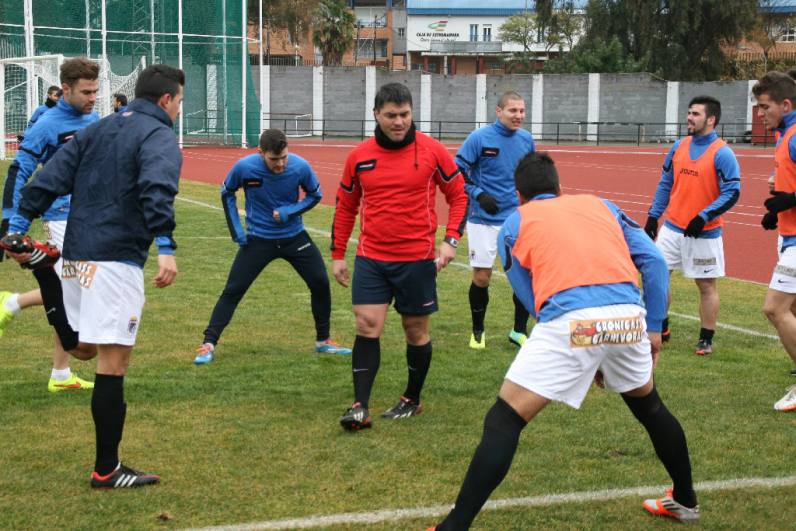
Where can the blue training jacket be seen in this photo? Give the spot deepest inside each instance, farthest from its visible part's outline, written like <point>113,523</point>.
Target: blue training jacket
<point>487,159</point>
<point>51,131</point>
<point>41,109</point>
<point>123,173</point>
<point>265,192</point>
<point>729,174</point>
<point>645,255</point>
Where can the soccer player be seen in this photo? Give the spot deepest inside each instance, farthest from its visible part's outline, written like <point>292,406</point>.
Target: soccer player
<point>573,261</point>
<point>391,181</point>
<point>487,160</point>
<point>701,180</point>
<point>119,102</point>
<point>49,132</point>
<point>776,101</point>
<point>53,95</point>
<point>271,180</point>
<point>123,173</point>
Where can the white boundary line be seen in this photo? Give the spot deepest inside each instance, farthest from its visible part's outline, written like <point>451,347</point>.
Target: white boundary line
<point>545,500</point>
<point>462,265</point>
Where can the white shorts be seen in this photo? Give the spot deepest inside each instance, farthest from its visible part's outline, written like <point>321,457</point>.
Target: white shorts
<point>561,357</point>
<point>482,242</point>
<point>55,230</point>
<point>784,277</point>
<point>103,300</point>
<point>695,257</point>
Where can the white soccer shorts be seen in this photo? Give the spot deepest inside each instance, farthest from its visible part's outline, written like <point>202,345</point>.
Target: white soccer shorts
<point>55,230</point>
<point>103,300</point>
<point>695,257</point>
<point>784,277</point>
<point>482,243</point>
<point>561,357</point>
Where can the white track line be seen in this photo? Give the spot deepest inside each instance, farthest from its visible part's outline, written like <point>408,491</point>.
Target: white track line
<point>500,274</point>
<point>388,515</point>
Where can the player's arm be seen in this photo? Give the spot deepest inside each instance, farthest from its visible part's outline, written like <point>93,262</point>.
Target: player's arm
<point>729,175</point>
<point>33,149</point>
<point>518,275</point>
<point>467,159</point>
<point>450,181</point>
<point>782,201</point>
<point>662,194</point>
<point>230,203</point>
<point>349,194</point>
<point>312,195</point>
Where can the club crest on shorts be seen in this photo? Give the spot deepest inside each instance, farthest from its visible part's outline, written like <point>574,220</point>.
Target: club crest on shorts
<point>132,326</point>
<point>594,332</point>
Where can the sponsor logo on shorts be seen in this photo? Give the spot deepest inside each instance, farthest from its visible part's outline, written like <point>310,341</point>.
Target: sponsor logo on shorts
<point>785,270</point>
<point>83,271</point>
<point>429,303</point>
<point>618,331</point>
<point>132,325</point>
<point>303,247</point>
<point>472,254</point>
<point>705,261</point>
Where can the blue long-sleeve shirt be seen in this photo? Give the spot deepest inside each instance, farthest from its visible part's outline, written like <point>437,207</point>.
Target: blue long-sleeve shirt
<point>51,131</point>
<point>265,192</point>
<point>787,121</point>
<point>728,173</point>
<point>645,255</point>
<point>487,159</point>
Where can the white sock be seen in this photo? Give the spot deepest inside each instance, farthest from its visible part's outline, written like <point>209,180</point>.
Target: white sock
<point>12,304</point>
<point>61,375</point>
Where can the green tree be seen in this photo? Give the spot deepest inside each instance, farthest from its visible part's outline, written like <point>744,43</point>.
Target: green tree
<point>521,29</point>
<point>594,56</point>
<point>769,27</point>
<point>565,26</point>
<point>293,16</point>
<point>333,30</point>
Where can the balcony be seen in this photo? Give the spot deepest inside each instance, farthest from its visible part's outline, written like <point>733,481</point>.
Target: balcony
<point>466,47</point>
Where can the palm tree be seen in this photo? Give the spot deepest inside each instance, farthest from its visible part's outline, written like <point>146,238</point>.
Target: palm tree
<point>333,30</point>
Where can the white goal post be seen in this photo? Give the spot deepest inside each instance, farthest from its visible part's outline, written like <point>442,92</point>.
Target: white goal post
<point>297,126</point>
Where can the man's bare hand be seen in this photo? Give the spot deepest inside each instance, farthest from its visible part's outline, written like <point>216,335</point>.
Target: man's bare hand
<point>655,346</point>
<point>340,271</point>
<point>167,270</point>
<point>445,254</point>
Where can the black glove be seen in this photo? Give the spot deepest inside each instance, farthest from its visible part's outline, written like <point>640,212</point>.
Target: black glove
<point>488,203</point>
<point>3,232</point>
<point>780,201</point>
<point>694,228</point>
<point>769,221</point>
<point>651,227</point>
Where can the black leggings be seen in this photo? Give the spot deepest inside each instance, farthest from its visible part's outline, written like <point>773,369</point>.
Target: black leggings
<point>301,253</point>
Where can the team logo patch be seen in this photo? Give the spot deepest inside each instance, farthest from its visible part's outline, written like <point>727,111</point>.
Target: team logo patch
<point>65,137</point>
<point>618,331</point>
<point>132,325</point>
<point>252,183</point>
<point>366,165</point>
<point>705,261</point>
<point>490,152</point>
<point>785,270</point>
<point>472,254</point>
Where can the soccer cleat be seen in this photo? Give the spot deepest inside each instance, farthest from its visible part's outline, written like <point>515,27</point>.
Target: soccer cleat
<point>405,408</point>
<point>703,347</point>
<point>122,477</point>
<point>666,506</point>
<point>330,347</point>
<point>792,371</point>
<point>356,418</point>
<point>73,382</point>
<point>5,314</point>
<point>666,335</point>
<point>518,338</point>
<point>204,354</point>
<point>42,254</point>
<point>478,340</point>
<point>787,402</point>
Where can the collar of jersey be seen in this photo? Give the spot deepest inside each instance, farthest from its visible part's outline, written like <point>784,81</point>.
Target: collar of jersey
<point>67,107</point>
<point>704,139</point>
<point>384,141</point>
<point>502,129</point>
<point>787,121</point>
<point>145,106</point>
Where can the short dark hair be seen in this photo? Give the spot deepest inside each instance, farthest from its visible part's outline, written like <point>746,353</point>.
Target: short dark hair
<point>778,85</point>
<point>536,174</point>
<point>392,93</point>
<point>121,98</point>
<point>52,89</point>
<point>78,68</point>
<point>791,73</point>
<point>712,106</point>
<point>157,80</point>
<point>273,140</point>
<point>507,96</point>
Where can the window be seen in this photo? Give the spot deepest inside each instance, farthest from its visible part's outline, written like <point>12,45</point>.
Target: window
<point>788,35</point>
<point>365,48</point>
<point>473,32</point>
<point>487,33</point>
<point>401,32</point>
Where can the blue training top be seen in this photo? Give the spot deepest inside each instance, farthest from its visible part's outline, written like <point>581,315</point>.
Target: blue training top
<point>265,192</point>
<point>487,159</point>
<point>729,174</point>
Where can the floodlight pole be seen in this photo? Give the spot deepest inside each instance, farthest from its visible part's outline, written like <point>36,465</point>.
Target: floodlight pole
<point>244,63</point>
<point>179,65</point>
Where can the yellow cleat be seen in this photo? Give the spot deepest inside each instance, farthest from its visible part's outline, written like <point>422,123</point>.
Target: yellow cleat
<point>517,338</point>
<point>5,314</point>
<point>74,382</point>
<point>478,344</point>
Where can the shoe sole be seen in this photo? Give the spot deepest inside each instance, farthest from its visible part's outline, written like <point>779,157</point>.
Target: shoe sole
<point>517,343</point>
<point>136,486</point>
<point>353,425</point>
<point>703,352</point>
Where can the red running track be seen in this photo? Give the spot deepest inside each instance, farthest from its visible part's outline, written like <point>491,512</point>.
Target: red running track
<point>625,175</point>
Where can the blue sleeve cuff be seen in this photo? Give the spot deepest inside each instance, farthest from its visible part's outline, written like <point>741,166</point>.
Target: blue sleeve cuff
<point>654,325</point>
<point>18,224</point>
<point>166,244</point>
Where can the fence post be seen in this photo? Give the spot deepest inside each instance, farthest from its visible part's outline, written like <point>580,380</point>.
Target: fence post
<point>598,133</point>
<point>362,122</point>
<point>558,130</point>
<point>638,135</point>
<point>439,130</point>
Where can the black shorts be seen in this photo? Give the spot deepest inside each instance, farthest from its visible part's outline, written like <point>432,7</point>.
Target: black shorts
<point>413,284</point>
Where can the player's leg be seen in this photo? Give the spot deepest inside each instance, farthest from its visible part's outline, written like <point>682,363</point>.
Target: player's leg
<point>13,303</point>
<point>670,243</point>
<point>249,262</point>
<point>482,241</point>
<point>519,334</point>
<point>305,258</point>
<point>703,260</point>
<point>779,307</point>
<point>708,314</point>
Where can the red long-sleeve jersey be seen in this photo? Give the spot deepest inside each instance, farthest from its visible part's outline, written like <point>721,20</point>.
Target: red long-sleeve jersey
<point>393,190</point>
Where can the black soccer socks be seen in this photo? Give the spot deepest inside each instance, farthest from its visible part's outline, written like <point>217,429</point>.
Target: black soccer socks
<point>479,299</point>
<point>108,410</point>
<point>418,360</point>
<point>53,297</point>
<point>520,316</point>
<point>365,360</point>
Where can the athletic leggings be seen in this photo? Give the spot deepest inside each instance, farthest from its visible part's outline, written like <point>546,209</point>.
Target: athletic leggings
<point>301,252</point>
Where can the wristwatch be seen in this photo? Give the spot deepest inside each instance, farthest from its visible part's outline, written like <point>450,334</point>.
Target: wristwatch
<point>450,240</point>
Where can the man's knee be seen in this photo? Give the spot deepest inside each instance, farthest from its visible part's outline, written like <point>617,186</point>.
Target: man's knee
<point>482,276</point>
<point>707,287</point>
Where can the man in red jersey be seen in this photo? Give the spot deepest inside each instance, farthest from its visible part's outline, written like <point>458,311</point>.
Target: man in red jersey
<point>391,181</point>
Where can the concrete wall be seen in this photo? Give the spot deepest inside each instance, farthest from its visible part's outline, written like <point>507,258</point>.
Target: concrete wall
<point>452,101</point>
<point>344,99</point>
<point>566,98</point>
<point>291,92</point>
<point>733,96</point>
<point>629,99</point>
